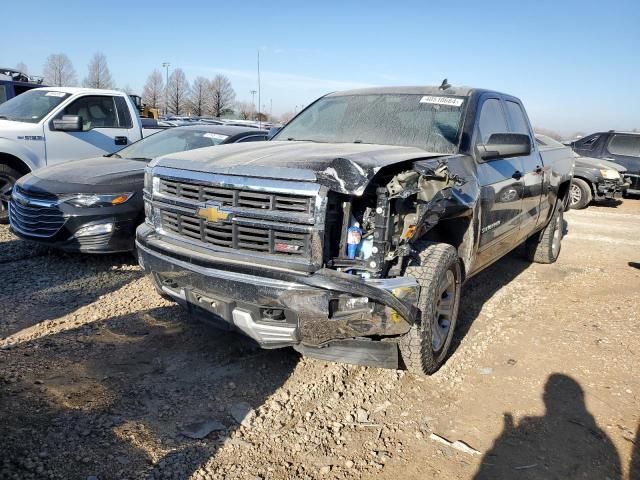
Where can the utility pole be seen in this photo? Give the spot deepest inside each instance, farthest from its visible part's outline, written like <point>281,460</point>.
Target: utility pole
<point>166,66</point>
<point>259,115</point>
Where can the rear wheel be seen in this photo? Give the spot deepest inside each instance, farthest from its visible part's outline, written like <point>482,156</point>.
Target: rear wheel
<point>579,194</point>
<point>8,177</point>
<point>436,268</point>
<point>544,246</point>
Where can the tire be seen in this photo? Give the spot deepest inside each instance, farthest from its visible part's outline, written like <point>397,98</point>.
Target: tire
<point>8,177</point>
<point>424,347</point>
<point>545,246</point>
<point>579,194</point>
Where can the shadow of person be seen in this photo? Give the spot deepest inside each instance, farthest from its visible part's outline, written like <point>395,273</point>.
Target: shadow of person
<point>634,466</point>
<point>565,443</point>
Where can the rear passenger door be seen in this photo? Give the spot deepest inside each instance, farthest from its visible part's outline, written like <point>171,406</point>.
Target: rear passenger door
<point>106,127</point>
<point>500,187</point>
<point>533,172</point>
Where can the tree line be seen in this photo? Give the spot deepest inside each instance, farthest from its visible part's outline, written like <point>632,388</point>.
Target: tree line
<point>202,97</point>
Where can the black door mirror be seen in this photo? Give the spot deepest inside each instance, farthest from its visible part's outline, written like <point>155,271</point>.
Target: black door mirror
<point>272,132</point>
<point>68,123</point>
<point>505,145</point>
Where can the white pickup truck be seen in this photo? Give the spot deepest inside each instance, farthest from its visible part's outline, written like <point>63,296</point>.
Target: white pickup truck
<point>54,124</point>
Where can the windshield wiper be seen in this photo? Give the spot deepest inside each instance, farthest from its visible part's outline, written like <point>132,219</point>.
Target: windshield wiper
<point>112,155</point>
<point>145,159</point>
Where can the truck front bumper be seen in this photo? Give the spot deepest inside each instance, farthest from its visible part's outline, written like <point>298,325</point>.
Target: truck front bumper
<point>278,308</point>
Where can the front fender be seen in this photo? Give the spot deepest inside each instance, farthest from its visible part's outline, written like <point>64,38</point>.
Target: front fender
<point>25,155</point>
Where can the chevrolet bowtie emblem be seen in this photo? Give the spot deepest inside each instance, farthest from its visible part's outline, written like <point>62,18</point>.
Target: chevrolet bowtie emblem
<point>213,213</point>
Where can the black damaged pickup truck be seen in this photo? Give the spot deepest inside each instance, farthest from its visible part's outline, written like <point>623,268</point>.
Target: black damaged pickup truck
<point>349,234</point>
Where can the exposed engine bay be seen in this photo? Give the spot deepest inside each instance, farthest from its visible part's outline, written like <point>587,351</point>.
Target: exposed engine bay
<point>371,234</point>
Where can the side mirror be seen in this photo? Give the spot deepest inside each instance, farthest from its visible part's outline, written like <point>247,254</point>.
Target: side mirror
<point>68,123</point>
<point>505,145</point>
<point>272,132</point>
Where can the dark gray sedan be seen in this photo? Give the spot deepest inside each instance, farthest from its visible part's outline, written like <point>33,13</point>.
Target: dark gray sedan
<point>95,205</point>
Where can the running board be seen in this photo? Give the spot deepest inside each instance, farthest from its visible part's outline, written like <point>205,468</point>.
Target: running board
<point>358,352</point>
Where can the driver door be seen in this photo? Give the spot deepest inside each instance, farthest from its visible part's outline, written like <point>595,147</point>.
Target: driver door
<point>501,188</point>
<point>105,129</point>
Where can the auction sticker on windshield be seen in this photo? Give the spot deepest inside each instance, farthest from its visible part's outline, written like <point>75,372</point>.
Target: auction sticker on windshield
<point>55,94</point>
<point>451,101</point>
<point>215,136</point>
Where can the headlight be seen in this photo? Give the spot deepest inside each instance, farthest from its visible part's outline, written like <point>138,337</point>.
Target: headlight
<point>610,174</point>
<point>96,200</point>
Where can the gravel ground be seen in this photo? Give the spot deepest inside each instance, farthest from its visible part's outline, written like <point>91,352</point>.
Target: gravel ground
<point>100,378</point>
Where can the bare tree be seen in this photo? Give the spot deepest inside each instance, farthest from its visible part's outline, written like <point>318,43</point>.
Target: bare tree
<point>178,92</point>
<point>286,116</point>
<point>99,74</point>
<point>222,95</point>
<point>200,96</point>
<point>549,133</point>
<point>22,67</point>
<point>127,89</point>
<point>153,90</point>
<point>246,110</point>
<point>58,71</point>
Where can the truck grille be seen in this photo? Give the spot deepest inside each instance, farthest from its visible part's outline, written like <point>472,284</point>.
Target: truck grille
<point>236,236</point>
<point>37,221</point>
<point>229,197</point>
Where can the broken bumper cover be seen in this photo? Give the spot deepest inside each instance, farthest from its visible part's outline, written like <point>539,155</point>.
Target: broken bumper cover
<point>610,189</point>
<point>278,308</point>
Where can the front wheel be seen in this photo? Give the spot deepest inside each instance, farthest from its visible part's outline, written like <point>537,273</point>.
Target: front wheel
<point>579,194</point>
<point>437,270</point>
<point>8,177</point>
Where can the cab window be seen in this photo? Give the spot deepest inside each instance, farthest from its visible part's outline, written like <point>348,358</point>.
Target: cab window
<point>492,120</point>
<point>95,111</point>
<point>625,145</point>
<point>516,118</point>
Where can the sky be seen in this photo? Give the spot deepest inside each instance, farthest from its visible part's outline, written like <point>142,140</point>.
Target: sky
<point>574,64</point>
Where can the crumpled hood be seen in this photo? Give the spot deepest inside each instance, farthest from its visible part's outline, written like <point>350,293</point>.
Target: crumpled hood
<point>343,167</point>
<point>92,175</point>
<point>599,163</point>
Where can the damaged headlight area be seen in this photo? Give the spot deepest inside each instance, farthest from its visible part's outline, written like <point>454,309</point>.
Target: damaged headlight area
<point>82,200</point>
<point>610,174</point>
<point>370,234</point>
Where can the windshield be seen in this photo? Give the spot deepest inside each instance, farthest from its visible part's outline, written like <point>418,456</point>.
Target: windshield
<point>171,141</point>
<point>31,106</point>
<point>424,121</point>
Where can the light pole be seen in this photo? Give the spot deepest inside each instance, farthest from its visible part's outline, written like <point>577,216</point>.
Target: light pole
<point>166,66</point>
<point>253,97</point>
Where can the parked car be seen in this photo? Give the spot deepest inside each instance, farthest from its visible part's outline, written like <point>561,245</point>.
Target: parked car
<point>14,82</point>
<point>594,179</point>
<point>622,148</point>
<point>348,236</point>
<point>48,125</point>
<point>95,205</point>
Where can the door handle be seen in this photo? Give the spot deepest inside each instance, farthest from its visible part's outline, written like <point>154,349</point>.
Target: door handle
<point>121,140</point>
<point>517,175</point>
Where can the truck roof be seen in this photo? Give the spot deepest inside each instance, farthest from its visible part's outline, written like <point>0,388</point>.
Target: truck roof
<point>419,90</point>
<point>75,90</point>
